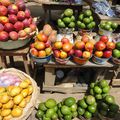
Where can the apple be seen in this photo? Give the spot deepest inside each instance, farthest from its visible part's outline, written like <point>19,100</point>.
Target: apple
<point>8,27</point>
<point>30,20</point>
<point>1,27</point>
<point>12,9</point>
<point>13,35</point>
<point>85,38</point>
<point>107,53</point>
<point>89,46</point>
<point>80,45</point>
<point>34,52</point>
<point>32,45</point>
<point>86,54</point>
<point>98,54</point>
<point>4,20</point>
<point>6,2</point>
<point>63,55</point>
<point>65,40</point>
<point>22,34</point>
<point>58,44</point>
<point>78,53</point>
<point>47,44</point>
<point>12,18</point>
<point>27,13</point>
<point>48,51</point>
<point>67,47</point>
<point>42,54</point>
<point>28,30</point>
<point>26,23</point>
<point>56,53</point>
<point>4,36</point>
<point>18,26</point>
<point>104,39</point>
<point>42,37</point>
<point>71,52</point>
<point>3,10</point>
<point>39,45</point>
<point>21,15</point>
<point>33,27</point>
<point>110,45</point>
<point>100,45</point>
<point>21,5</point>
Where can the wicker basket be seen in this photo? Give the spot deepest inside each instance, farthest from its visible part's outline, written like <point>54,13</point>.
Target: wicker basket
<point>30,106</point>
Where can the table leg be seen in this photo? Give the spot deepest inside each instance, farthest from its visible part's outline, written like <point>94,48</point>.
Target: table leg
<point>4,62</point>
<point>12,60</point>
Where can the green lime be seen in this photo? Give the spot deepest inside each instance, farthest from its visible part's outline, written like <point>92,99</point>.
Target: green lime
<point>59,20</point>
<point>103,83</point>
<point>74,107</point>
<point>62,15</point>
<point>81,16</point>
<point>109,23</point>
<point>116,53</point>
<point>50,103</point>
<point>92,85</point>
<point>74,114</point>
<point>61,24</point>
<point>88,13</point>
<point>65,110</point>
<point>59,105</point>
<point>102,25</point>
<point>78,23</point>
<point>87,115</point>
<point>93,24</point>
<point>114,108</point>
<point>98,96</point>
<point>82,26</point>
<point>118,45</point>
<point>104,95</point>
<point>71,25</point>
<point>81,111</point>
<point>90,100</point>
<point>42,107</point>
<point>86,20</point>
<point>68,117</point>
<point>68,12</point>
<point>45,118</point>
<point>59,113</point>
<point>50,112</point>
<point>39,114</point>
<point>114,25</point>
<point>97,90</point>
<point>89,26</point>
<point>66,20</point>
<point>72,18</point>
<point>103,112</point>
<point>107,27</point>
<point>111,114</point>
<point>55,108</point>
<point>106,89</point>
<point>69,101</point>
<point>91,18</point>
<point>104,106</point>
<point>82,103</point>
<point>55,116</point>
<point>109,99</point>
<point>92,109</point>
<point>91,91</point>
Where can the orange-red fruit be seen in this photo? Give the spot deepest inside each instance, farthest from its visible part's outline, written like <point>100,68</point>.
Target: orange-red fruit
<point>67,47</point>
<point>42,54</point>
<point>85,38</point>
<point>89,46</point>
<point>42,37</point>
<point>63,55</point>
<point>98,54</point>
<point>110,45</point>
<point>86,54</point>
<point>39,45</point>
<point>34,52</point>
<point>80,45</point>
<point>58,45</point>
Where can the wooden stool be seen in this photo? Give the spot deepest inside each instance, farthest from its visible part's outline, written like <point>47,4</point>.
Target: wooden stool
<point>20,52</point>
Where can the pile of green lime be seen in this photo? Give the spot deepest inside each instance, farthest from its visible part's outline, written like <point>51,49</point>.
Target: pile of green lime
<point>67,109</point>
<point>99,89</point>
<point>108,25</point>
<point>116,51</point>
<point>67,19</point>
<point>47,110</point>
<point>107,107</point>
<point>87,106</point>
<point>86,20</point>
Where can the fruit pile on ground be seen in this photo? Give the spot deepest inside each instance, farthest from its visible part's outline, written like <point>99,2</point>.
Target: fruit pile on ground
<point>103,48</point>
<point>116,51</point>
<point>67,19</point>
<point>99,89</point>
<point>13,99</point>
<point>87,106</point>
<point>86,20</point>
<point>108,25</point>
<point>63,49</point>
<point>15,21</point>
<point>42,45</point>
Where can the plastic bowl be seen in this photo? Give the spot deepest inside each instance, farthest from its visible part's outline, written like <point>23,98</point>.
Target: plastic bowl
<point>66,30</point>
<point>62,61</point>
<point>116,60</point>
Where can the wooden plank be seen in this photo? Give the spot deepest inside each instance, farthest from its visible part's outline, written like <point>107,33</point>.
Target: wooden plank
<point>116,82</point>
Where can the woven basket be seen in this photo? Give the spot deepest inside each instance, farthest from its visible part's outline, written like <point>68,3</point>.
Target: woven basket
<point>30,106</point>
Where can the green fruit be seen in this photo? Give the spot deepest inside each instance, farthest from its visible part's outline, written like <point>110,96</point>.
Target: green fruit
<point>110,29</point>
<point>104,95</point>
<point>71,25</point>
<point>72,18</point>
<point>55,116</point>
<point>62,15</point>
<point>104,106</point>
<point>90,100</point>
<point>118,45</point>
<point>97,90</point>
<point>78,23</point>
<point>114,25</point>
<point>68,12</point>
<point>91,91</point>
<point>107,27</point>
<point>69,101</point>
<point>103,112</point>
<point>74,107</point>
<point>109,23</point>
<point>55,108</point>
<point>59,20</point>
<point>87,115</point>
<point>86,20</point>
<point>92,109</point>
<point>61,24</point>
<point>92,85</point>
<point>66,20</point>
<point>68,117</point>
<point>89,26</point>
<point>88,13</point>
<point>103,83</point>
<point>42,107</point>
<point>98,96</point>
<point>93,24</point>
<point>59,105</point>
<point>59,113</point>
<point>50,113</point>
<point>102,25</point>
<point>50,103</point>
<point>39,114</point>
<point>46,118</point>
<point>109,99</point>
<point>114,108</point>
<point>81,16</point>
<point>74,114</point>
<point>91,18</point>
<point>116,53</point>
<point>82,103</point>
<point>65,110</point>
<point>81,111</point>
<point>111,114</point>
<point>106,89</point>
<point>82,26</point>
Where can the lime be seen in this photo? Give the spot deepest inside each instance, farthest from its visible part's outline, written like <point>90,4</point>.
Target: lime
<point>81,16</point>
<point>39,114</point>
<point>59,105</point>
<point>93,24</point>
<point>50,112</point>
<point>92,109</point>
<point>114,108</point>
<point>102,25</point>
<point>87,115</point>
<point>90,100</point>
<point>118,45</point>
<point>89,26</point>
<point>59,20</point>
<point>55,116</point>
<point>55,108</point>
<point>106,89</point>
<point>62,15</point>
<point>74,114</point>
<point>107,27</point>
<point>111,114</point>
<point>104,106</point>
<point>116,53</point>
<point>68,12</point>
<point>81,111</point>
<point>78,23</point>
<point>46,118</point>
<point>68,117</point>
<point>114,25</point>
<point>109,23</point>
<point>109,99</point>
<point>103,83</point>
<point>74,107</point>
<point>65,110</point>
<point>92,85</point>
<point>97,90</point>
<point>91,91</point>
<point>103,95</point>
<point>66,20</point>
<point>72,18</point>
<point>50,103</point>
<point>110,29</point>
<point>91,18</point>
<point>86,20</point>
<point>61,24</point>
<point>88,13</point>
<point>71,25</point>
<point>103,112</point>
<point>98,96</point>
<point>42,107</point>
<point>59,113</point>
<point>69,101</point>
<point>82,103</point>
<point>82,26</point>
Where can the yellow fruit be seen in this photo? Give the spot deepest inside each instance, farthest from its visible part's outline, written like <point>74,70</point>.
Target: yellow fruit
<point>16,112</point>
<point>15,106</point>
<point>4,98</point>
<point>2,89</point>
<point>25,92</point>
<point>17,99</point>
<point>0,105</point>
<point>8,117</point>
<point>9,88</point>
<point>15,91</point>
<point>28,81</point>
<point>24,84</point>
<point>8,105</point>
<point>23,103</point>
<point>5,112</point>
<point>1,118</point>
<point>30,88</point>
<point>28,99</point>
